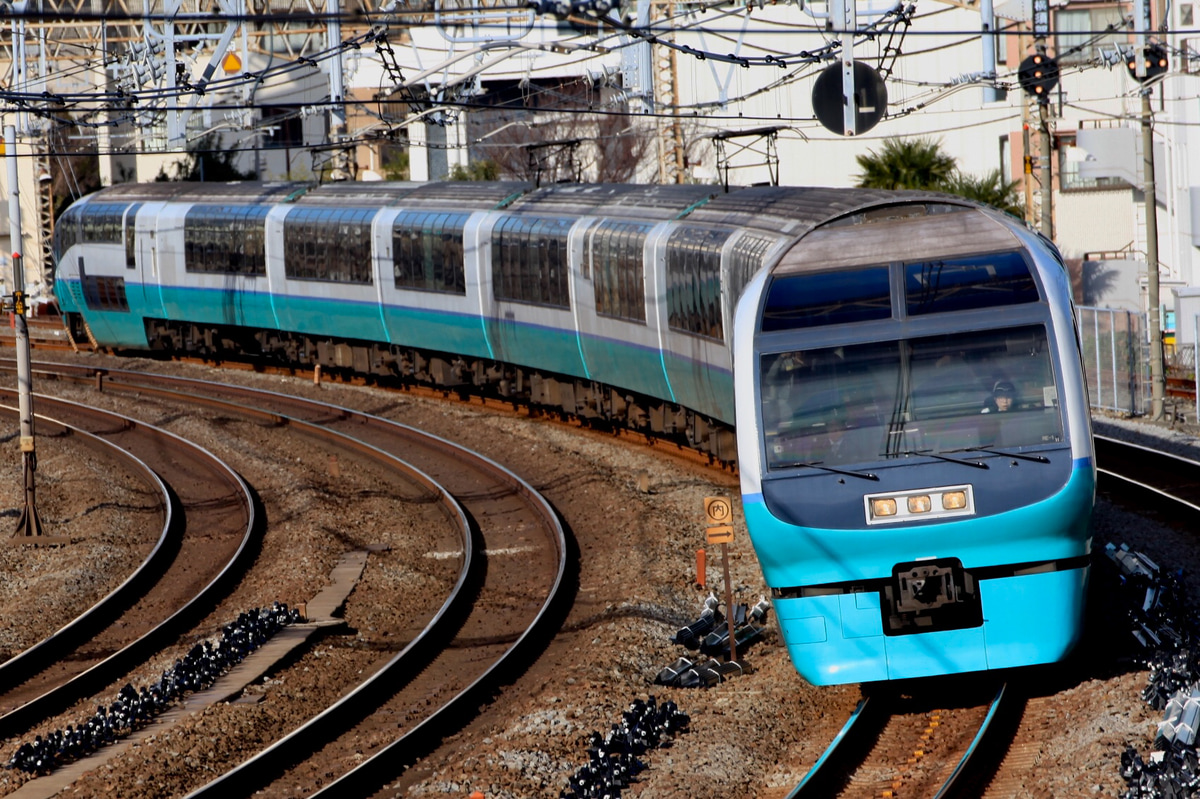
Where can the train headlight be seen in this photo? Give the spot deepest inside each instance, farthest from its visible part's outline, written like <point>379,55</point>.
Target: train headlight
<point>924,504</point>
<point>919,504</point>
<point>883,507</point>
<point>954,500</point>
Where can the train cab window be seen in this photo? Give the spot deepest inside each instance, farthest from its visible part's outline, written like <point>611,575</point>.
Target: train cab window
<point>614,256</point>
<point>102,222</point>
<point>960,284</point>
<point>694,281</point>
<point>529,260</point>
<point>329,244</point>
<point>909,398</point>
<point>427,252</point>
<point>67,231</point>
<point>827,298</point>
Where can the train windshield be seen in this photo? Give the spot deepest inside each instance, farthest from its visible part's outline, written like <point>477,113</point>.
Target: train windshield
<point>901,399</point>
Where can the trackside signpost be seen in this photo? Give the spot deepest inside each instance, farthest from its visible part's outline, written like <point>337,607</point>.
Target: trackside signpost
<point>719,513</point>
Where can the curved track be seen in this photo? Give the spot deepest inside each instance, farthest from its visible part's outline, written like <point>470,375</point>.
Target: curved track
<point>437,680</point>
<point>202,547</point>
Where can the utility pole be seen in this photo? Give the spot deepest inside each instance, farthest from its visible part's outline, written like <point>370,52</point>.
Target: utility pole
<point>1157,379</point>
<point>29,523</point>
<point>1149,62</point>
<point>1044,165</point>
<point>1038,75</point>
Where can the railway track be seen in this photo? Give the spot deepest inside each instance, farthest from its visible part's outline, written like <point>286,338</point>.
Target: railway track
<point>208,521</point>
<point>481,635</point>
<point>896,746</point>
<point>1020,751</point>
<point>974,749</point>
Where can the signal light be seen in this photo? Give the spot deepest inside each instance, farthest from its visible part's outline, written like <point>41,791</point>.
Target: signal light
<point>1038,75</point>
<point>1157,62</point>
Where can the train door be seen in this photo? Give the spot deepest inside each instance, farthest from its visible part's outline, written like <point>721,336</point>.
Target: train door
<point>145,256</point>
<point>614,306</point>
<point>692,319</point>
<point>527,313</point>
<point>276,272</point>
<point>428,282</point>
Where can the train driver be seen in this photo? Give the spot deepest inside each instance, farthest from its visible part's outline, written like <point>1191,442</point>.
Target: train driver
<point>1001,400</point>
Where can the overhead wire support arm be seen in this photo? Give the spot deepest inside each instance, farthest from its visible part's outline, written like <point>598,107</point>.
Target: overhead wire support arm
<point>766,136</point>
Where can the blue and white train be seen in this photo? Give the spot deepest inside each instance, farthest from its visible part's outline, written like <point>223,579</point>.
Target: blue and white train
<point>914,447</point>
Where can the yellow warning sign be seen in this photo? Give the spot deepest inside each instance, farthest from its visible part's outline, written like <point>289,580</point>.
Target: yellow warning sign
<point>718,510</point>
<point>720,534</point>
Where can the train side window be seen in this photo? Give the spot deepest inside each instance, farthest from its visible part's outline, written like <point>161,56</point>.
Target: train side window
<point>694,281</point>
<point>960,284</point>
<point>131,235</point>
<point>827,298</point>
<point>105,293</point>
<point>616,256</point>
<point>102,223</point>
<point>529,258</point>
<point>746,258</point>
<point>330,245</point>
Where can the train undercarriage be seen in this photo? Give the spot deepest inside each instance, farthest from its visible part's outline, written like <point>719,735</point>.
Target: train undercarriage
<point>591,403</point>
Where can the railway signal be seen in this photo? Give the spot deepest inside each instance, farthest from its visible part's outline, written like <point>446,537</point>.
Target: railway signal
<point>1038,75</point>
<point>1154,56</point>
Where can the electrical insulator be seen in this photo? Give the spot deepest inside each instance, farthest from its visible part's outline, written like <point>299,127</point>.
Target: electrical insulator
<point>1156,62</point>
<point>1037,75</point>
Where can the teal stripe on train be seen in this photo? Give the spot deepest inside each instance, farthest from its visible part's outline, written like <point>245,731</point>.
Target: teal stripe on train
<point>634,367</point>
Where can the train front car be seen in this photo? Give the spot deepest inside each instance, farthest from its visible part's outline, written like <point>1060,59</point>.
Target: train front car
<point>915,444</point>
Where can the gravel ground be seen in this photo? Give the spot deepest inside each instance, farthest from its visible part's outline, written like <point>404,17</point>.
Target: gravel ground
<point>637,514</point>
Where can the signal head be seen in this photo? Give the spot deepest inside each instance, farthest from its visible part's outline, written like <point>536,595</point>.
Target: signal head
<point>1038,75</point>
<point>1154,56</point>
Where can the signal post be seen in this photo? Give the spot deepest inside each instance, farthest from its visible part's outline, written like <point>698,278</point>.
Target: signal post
<point>719,512</point>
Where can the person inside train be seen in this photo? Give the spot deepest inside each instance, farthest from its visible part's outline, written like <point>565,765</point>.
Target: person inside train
<point>1001,400</point>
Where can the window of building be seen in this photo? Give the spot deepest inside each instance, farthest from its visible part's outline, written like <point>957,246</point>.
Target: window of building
<point>1068,169</point>
<point>1081,33</point>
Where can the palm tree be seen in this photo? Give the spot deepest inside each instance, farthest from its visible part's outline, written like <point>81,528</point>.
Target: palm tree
<point>991,189</point>
<point>906,164</point>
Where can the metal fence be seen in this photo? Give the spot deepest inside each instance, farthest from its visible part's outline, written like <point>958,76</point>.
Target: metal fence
<point>1116,352</point>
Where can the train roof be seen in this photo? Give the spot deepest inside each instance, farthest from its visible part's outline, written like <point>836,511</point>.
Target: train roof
<point>174,191</point>
<point>782,210</point>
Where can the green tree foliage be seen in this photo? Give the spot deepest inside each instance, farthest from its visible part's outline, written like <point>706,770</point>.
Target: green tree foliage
<point>204,162</point>
<point>906,164</point>
<point>476,170</point>
<point>991,189</point>
<point>920,164</point>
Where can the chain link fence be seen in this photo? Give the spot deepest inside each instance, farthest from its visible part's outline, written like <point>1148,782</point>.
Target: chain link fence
<point>1116,358</point>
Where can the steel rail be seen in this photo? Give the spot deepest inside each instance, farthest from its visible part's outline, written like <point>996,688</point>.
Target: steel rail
<point>282,753</point>
<point>20,667</point>
<point>819,779</point>
<point>957,783</point>
<point>121,661</point>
